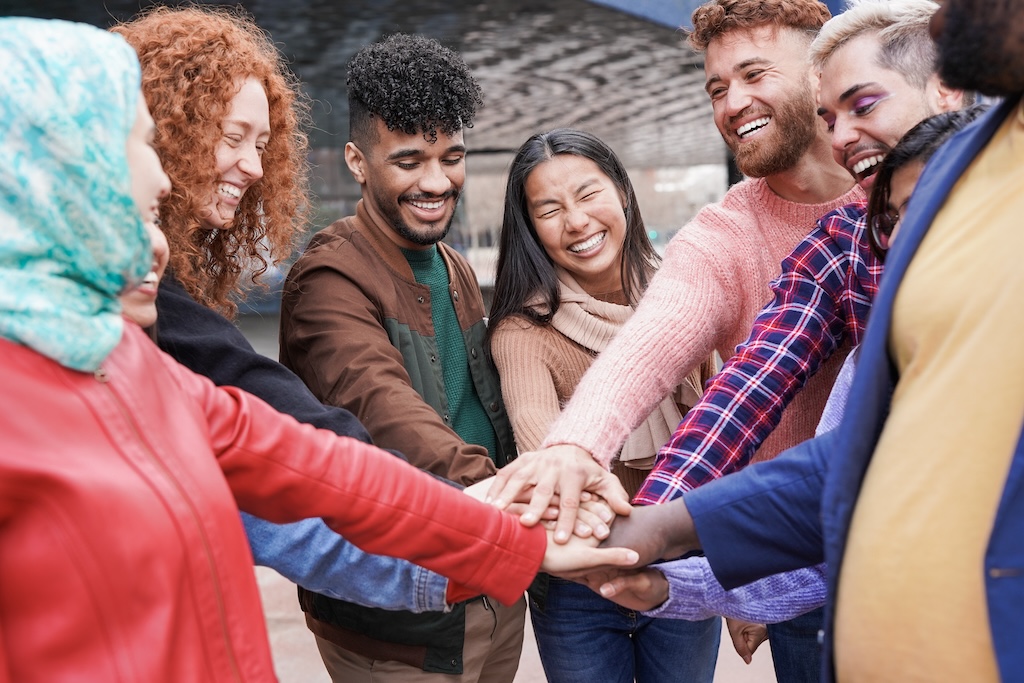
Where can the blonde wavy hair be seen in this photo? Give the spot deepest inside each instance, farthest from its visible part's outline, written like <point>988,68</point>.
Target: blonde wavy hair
<point>193,61</point>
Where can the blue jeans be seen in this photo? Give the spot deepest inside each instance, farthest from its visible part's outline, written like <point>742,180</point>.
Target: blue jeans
<point>583,638</point>
<point>796,653</point>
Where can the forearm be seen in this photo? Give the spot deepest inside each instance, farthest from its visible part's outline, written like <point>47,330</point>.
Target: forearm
<point>310,554</point>
<point>283,471</point>
<point>527,382</point>
<point>790,340</point>
<point>765,519</point>
<point>695,594</point>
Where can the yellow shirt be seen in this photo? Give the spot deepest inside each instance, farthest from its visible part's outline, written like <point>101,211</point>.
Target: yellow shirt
<point>911,600</point>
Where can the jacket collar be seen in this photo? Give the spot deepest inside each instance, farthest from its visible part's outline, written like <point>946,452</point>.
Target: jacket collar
<point>390,252</point>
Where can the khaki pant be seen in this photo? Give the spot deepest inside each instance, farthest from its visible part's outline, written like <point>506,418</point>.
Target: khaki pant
<point>494,642</point>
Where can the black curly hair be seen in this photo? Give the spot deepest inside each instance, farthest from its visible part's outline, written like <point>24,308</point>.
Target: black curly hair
<point>414,85</point>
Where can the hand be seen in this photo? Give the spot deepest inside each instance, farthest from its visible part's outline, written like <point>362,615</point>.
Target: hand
<point>565,470</point>
<point>590,521</point>
<point>579,555</point>
<point>640,590</point>
<point>656,532</point>
<point>746,637</point>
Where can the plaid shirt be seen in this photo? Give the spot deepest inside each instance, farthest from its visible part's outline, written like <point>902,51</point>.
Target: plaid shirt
<point>821,299</point>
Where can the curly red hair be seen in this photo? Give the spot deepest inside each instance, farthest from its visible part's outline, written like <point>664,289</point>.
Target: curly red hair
<point>194,59</point>
<point>715,18</point>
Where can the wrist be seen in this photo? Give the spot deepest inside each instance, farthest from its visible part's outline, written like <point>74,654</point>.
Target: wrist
<point>679,533</point>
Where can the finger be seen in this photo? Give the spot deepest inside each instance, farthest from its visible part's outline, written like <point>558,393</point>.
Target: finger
<point>594,525</point>
<point>500,479</point>
<point>511,480</point>
<point>610,489</point>
<point>541,499</point>
<point>569,487</point>
<point>589,558</point>
<point>518,509</point>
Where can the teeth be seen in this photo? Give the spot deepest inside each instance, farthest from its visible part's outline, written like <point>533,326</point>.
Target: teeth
<point>589,244</point>
<point>151,279</point>
<point>746,128</point>
<point>230,190</point>
<point>428,206</point>
<point>865,164</point>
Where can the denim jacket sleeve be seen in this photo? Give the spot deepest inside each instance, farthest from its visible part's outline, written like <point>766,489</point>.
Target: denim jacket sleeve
<point>341,570</point>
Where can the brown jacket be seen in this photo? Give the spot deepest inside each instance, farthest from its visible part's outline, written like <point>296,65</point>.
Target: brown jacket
<point>356,327</point>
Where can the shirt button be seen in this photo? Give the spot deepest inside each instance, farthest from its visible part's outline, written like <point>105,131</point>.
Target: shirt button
<point>433,358</point>
<point>493,406</point>
<point>455,294</point>
<point>420,299</point>
<point>446,418</point>
<point>472,352</point>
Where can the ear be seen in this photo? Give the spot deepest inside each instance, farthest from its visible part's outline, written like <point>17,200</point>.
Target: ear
<point>356,162</point>
<point>943,98</point>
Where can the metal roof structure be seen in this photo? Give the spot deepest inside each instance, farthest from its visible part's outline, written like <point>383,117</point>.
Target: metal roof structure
<point>541,64</point>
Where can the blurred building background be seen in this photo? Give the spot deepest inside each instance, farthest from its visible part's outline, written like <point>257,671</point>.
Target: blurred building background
<point>618,68</point>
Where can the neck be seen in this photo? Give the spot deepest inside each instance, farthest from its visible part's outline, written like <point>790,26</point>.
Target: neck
<point>815,179</point>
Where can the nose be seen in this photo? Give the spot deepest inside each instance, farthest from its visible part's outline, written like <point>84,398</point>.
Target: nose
<point>844,136</point>
<point>250,163</point>
<point>165,185</point>
<point>576,219</point>
<point>434,180</point>
<point>736,99</point>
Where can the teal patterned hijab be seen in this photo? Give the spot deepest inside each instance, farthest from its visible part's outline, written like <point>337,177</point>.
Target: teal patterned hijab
<point>71,238</point>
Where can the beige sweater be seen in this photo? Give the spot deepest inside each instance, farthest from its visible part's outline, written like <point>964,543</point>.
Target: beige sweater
<point>539,369</point>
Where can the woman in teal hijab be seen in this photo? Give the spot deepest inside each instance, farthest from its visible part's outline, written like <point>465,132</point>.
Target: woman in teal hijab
<point>70,236</point>
<point>122,555</point>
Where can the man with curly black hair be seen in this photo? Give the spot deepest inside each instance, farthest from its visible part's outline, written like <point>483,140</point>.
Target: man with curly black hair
<point>380,317</point>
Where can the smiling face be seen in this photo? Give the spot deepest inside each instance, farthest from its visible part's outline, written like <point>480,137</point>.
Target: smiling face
<point>577,212</point>
<point>760,88</point>
<point>245,133</point>
<point>868,107</point>
<point>410,185</point>
<point>139,304</point>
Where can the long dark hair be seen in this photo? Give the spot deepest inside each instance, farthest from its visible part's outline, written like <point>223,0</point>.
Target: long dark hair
<point>918,144</point>
<point>525,271</point>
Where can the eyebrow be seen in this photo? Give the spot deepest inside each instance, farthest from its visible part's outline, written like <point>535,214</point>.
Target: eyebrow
<point>584,185</point>
<point>847,94</point>
<point>244,125</point>
<point>413,151</point>
<point>714,78</point>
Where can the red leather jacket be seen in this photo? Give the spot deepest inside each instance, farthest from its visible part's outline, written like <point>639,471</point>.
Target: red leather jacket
<point>122,556</point>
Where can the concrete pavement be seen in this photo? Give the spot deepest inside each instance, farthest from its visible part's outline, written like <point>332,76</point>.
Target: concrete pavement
<point>296,659</point>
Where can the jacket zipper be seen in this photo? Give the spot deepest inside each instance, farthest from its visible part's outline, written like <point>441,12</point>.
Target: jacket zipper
<point>103,377</point>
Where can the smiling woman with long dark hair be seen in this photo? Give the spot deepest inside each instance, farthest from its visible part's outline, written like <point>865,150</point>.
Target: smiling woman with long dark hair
<point>573,260</point>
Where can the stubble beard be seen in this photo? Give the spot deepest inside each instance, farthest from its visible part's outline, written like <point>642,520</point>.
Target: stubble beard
<point>390,208</point>
<point>794,124</point>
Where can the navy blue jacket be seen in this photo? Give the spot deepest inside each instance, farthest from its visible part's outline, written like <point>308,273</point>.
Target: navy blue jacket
<point>795,511</point>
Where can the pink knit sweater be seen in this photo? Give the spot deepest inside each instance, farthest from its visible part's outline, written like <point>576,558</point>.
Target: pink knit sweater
<point>712,284</point>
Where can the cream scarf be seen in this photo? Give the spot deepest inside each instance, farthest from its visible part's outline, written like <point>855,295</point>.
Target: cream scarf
<point>592,324</point>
